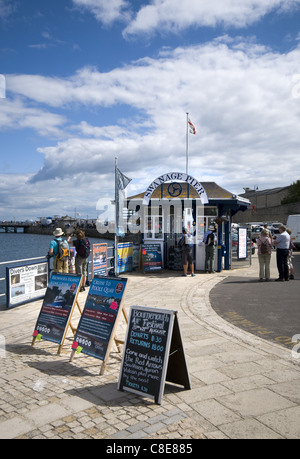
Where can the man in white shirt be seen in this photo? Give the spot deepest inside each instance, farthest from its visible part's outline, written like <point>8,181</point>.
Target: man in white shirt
<point>283,244</point>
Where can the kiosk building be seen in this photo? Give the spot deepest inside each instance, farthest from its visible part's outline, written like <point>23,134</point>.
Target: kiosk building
<point>176,200</point>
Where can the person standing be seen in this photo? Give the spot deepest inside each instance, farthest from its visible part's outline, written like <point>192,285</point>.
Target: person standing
<point>264,245</point>
<point>283,245</point>
<point>59,249</point>
<point>210,241</point>
<point>187,246</point>
<point>82,246</point>
<point>290,257</point>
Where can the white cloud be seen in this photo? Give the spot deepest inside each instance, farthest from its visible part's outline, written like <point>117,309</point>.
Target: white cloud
<point>105,11</point>
<point>239,96</point>
<point>6,8</point>
<point>22,199</point>
<point>14,114</point>
<point>175,15</point>
<point>161,16</point>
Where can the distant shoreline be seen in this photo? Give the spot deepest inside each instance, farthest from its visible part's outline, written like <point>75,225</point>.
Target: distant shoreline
<point>89,232</point>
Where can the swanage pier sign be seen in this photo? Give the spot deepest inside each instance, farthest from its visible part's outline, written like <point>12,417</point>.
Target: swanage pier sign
<point>174,177</point>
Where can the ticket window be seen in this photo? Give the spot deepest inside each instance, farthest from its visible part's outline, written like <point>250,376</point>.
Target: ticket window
<point>188,219</point>
<point>154,222</point>
<point>154,227</point>
<point>204,218</point>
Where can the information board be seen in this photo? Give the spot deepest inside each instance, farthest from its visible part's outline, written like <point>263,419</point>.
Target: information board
<point>97,325</point>
<point>124,257</point>
<point>99,257</point>
<point>151,257</point>
<point>152,337</point>
<point>26,283</point>
<point>57,308</point>
<point>242,243</point>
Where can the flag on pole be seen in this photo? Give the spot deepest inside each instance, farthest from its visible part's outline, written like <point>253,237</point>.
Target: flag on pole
<point>192,127</point>
<point>121,183</point>
<point>122,180</point>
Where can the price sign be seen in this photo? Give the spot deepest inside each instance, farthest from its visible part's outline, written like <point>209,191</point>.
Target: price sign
<point>149,342</point>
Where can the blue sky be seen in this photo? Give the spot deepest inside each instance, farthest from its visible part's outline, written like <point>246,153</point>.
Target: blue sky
<point>87,80</point>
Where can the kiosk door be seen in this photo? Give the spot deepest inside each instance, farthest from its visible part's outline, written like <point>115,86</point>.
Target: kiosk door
<point>173,234</point>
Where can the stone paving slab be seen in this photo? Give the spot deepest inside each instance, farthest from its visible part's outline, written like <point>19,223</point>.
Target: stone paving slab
<point>241,386</point>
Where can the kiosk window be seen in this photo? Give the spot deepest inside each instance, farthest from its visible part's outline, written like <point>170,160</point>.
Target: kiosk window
<point>155,227</point>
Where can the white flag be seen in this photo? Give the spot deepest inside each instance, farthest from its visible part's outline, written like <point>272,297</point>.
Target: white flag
<point>192,127</point>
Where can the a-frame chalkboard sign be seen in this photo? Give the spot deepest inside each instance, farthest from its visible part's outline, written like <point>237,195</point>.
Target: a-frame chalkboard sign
<point>153,353</point>
<point>96,329</point>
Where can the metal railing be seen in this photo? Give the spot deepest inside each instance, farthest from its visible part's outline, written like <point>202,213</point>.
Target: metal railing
<point>110,260</point>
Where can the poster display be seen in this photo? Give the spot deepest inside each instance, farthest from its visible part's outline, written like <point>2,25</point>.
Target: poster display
<point>151,257</point>
<point>98,321</point>
<point>152,337</point>
<point>57,308</point>
<point>124,257</point>
<point>26,283</point>
<point>242,243</point>
<point>99,258</point>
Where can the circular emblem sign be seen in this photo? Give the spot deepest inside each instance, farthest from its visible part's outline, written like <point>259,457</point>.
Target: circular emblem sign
<point>174,189</point>
<point>119,287</point>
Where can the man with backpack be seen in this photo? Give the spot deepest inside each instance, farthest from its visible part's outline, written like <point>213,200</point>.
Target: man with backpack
<point>82,246</point>
<point>59,249</point>
<point>210,241</point>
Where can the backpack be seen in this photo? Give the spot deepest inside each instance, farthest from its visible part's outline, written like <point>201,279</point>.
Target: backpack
<point>264,247</point>
<point>210,239</point>
<point>181,242</point>
<point>63,250</point>
<point>84,248</point>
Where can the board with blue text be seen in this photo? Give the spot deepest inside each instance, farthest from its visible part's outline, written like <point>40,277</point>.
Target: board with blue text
<point>98,322</point>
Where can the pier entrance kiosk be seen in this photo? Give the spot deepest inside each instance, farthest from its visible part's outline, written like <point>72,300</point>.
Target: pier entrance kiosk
<point>177,200</point>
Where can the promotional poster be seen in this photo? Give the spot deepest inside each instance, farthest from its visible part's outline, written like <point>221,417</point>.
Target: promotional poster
<point>57,307</point>
<point>99,316</point>
<point>26,283</point>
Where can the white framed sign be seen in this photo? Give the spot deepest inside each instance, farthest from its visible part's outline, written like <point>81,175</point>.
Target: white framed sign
<point>242,243</point>
<point>26,283</point>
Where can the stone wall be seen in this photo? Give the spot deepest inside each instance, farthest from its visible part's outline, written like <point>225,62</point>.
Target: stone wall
<point>268,214</point>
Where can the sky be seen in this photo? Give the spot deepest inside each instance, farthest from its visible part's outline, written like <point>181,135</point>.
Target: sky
<point>83,82</point>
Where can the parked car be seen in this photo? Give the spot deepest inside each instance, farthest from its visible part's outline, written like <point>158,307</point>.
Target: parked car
<point>255,232</point>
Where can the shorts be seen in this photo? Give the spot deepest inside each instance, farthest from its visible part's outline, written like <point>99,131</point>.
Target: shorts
<point>61,266</point>
<point>187,256</point>
<point>81,266</point>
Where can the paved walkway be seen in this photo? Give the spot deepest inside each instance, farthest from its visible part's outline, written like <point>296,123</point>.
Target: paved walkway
<point>242,386</point>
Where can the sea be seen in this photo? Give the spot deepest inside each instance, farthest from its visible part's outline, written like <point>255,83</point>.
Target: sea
<point>20,246</point>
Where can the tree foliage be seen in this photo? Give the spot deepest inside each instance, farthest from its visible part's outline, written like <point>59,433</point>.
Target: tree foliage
<point>293,193</point>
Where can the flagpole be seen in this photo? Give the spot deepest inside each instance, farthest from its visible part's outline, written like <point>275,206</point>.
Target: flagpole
<point>187,145</point>
<point>116,217</point>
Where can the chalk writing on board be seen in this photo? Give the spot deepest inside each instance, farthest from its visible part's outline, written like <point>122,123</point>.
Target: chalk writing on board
<point>146,350</point>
